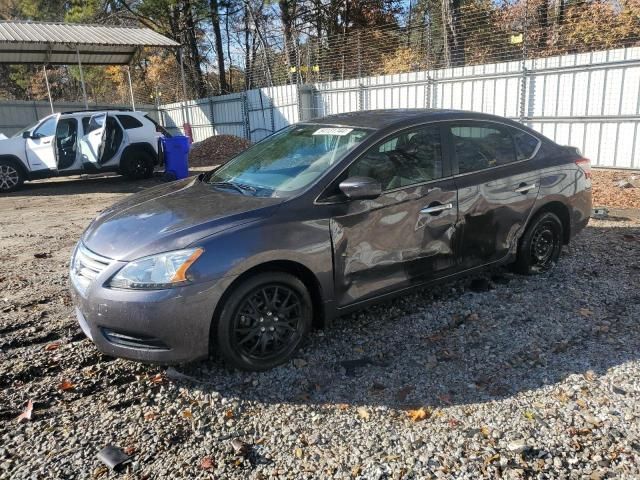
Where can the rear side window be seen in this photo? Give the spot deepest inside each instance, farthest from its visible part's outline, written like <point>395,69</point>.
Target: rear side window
<point>479,146</point>
<point>526,144</point>
<point>128,122</point>
<point>85,124</point>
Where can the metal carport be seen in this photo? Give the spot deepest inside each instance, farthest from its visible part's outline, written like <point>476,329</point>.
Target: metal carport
<point>24,42</point>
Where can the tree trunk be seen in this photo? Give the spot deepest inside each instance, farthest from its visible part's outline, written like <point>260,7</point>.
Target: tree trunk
<point>286,17</point>
<point>215,22</point>
<point>194,53</point>
<point>247,52</point>
<point>453,39</point>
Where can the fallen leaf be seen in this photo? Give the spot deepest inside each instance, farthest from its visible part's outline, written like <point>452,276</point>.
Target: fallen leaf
<point>26,413</point>
<point>343,406</point>
<point>585,312</point>
<point>207,463</point>
<point>581,403</point>
<point>150,416</point>
<point>66,385</point>
<point>418,415</point>
<point>484,430</point>
<point>529,415</point>
<point>473,317</point>
<point>228,413</point>
<point>298,452</point>
<point>363,413</point>
<point>445,398</point>
<point>391,458</point>
<point>52,346</point>
<point>454,422</point>
<point>158,378</point>
<point>492,458</point>
<point>187,414</point>
<point>130,450</point>
<point>355,471</point>
<point>358,349</point>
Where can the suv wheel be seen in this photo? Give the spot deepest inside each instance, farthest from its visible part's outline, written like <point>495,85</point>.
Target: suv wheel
<point>263,321</point>
<point>540,245</point>
<point>11,177</point>
<point>137,164</point>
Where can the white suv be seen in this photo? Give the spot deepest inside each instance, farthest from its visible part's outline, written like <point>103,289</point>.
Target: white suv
<point>81,142</point>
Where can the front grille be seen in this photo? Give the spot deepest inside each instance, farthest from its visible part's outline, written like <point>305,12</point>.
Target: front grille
<point>86,266</point>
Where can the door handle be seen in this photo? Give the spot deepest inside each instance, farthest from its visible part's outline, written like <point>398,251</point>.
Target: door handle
<point>46,142</point>
<point>525,188</point>
<point>434,209</point>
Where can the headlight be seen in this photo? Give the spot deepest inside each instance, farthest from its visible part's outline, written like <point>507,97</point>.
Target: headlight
<point>164,270</point>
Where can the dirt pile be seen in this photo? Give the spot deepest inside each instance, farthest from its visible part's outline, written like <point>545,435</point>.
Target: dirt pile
<point>615,188</point>
<point>216,150</point>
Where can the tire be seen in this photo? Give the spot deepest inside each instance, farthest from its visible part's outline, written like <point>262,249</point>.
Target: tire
<point>540,246</point>
<point>137,165</point>
<point>245,335</point>
<point>11,176</point>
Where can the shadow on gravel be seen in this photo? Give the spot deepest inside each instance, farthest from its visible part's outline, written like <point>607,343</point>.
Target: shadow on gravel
<point>83,185</point>
<point>476,340</point>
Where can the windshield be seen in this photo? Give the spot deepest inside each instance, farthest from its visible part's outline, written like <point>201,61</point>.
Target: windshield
<point>287,161</point>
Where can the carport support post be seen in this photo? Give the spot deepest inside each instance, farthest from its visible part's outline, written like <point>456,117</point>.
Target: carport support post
<point>46,81</point>
<point>84,91</point>
<point>133,102</point>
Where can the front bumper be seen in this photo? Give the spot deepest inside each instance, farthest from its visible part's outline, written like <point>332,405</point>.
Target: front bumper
<point>158,326</point>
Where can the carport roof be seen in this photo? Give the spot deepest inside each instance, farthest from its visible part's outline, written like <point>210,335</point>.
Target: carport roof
<point>56,43</point>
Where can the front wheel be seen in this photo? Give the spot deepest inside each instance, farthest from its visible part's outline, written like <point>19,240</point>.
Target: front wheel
<point>540,245</point>
<point>263,321</point>
<point>11,177</point>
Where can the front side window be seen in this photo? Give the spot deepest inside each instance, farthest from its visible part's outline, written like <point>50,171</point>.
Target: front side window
<point>287,161</point>
<point>480,146</point>
<point>46,128</point>
<point>410,157</point>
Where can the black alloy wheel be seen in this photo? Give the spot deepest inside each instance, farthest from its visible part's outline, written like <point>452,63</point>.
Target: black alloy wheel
<point>263,321</point>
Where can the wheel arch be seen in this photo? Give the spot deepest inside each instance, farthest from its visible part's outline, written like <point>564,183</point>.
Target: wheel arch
<point>17,163</point>
<point>562,212</point>
<point>298,270</point>
<point>139,147</point>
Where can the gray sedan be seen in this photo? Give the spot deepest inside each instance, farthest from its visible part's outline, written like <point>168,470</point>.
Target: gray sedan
<point>316,220</point>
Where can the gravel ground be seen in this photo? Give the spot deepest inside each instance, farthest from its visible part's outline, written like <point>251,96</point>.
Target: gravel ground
<point>498,376</point>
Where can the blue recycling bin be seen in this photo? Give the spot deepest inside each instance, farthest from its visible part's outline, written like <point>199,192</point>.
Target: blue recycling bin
<point>176,157</point>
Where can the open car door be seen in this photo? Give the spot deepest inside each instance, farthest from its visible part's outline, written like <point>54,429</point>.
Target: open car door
<point>93,140</point>
<point>41,145</point>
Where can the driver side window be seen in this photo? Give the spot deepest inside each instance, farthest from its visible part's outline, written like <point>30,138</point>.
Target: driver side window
<point>46,129</point>
<point>407,158</point>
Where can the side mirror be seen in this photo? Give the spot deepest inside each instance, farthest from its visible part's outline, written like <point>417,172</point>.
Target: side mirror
<point>26,134</point>
<point>361,188</point>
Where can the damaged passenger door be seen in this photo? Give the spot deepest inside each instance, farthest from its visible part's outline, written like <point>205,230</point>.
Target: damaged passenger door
<point>404,236</point>
<point>92,143</point>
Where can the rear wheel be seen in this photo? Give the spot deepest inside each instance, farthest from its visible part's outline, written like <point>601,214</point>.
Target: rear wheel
<point>11,176</point>
<point>540,245</point>
<point>263,321</point>
<point>137,164</point>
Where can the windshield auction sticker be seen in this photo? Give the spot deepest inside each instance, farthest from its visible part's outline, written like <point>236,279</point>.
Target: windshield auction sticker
<point>333,131</point>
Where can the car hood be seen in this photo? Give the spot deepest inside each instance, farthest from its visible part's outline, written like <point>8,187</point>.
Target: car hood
<point>170,217</point>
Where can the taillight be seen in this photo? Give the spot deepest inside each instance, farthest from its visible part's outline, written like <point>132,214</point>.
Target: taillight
<point>585,165</point>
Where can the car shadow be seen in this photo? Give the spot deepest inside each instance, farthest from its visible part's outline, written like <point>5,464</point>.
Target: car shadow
<point>479,339</point>
<point>79,185</point>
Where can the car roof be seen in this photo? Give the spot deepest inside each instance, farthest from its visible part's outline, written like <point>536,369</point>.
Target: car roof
<point>96,112</point>
<point>381,119</point>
